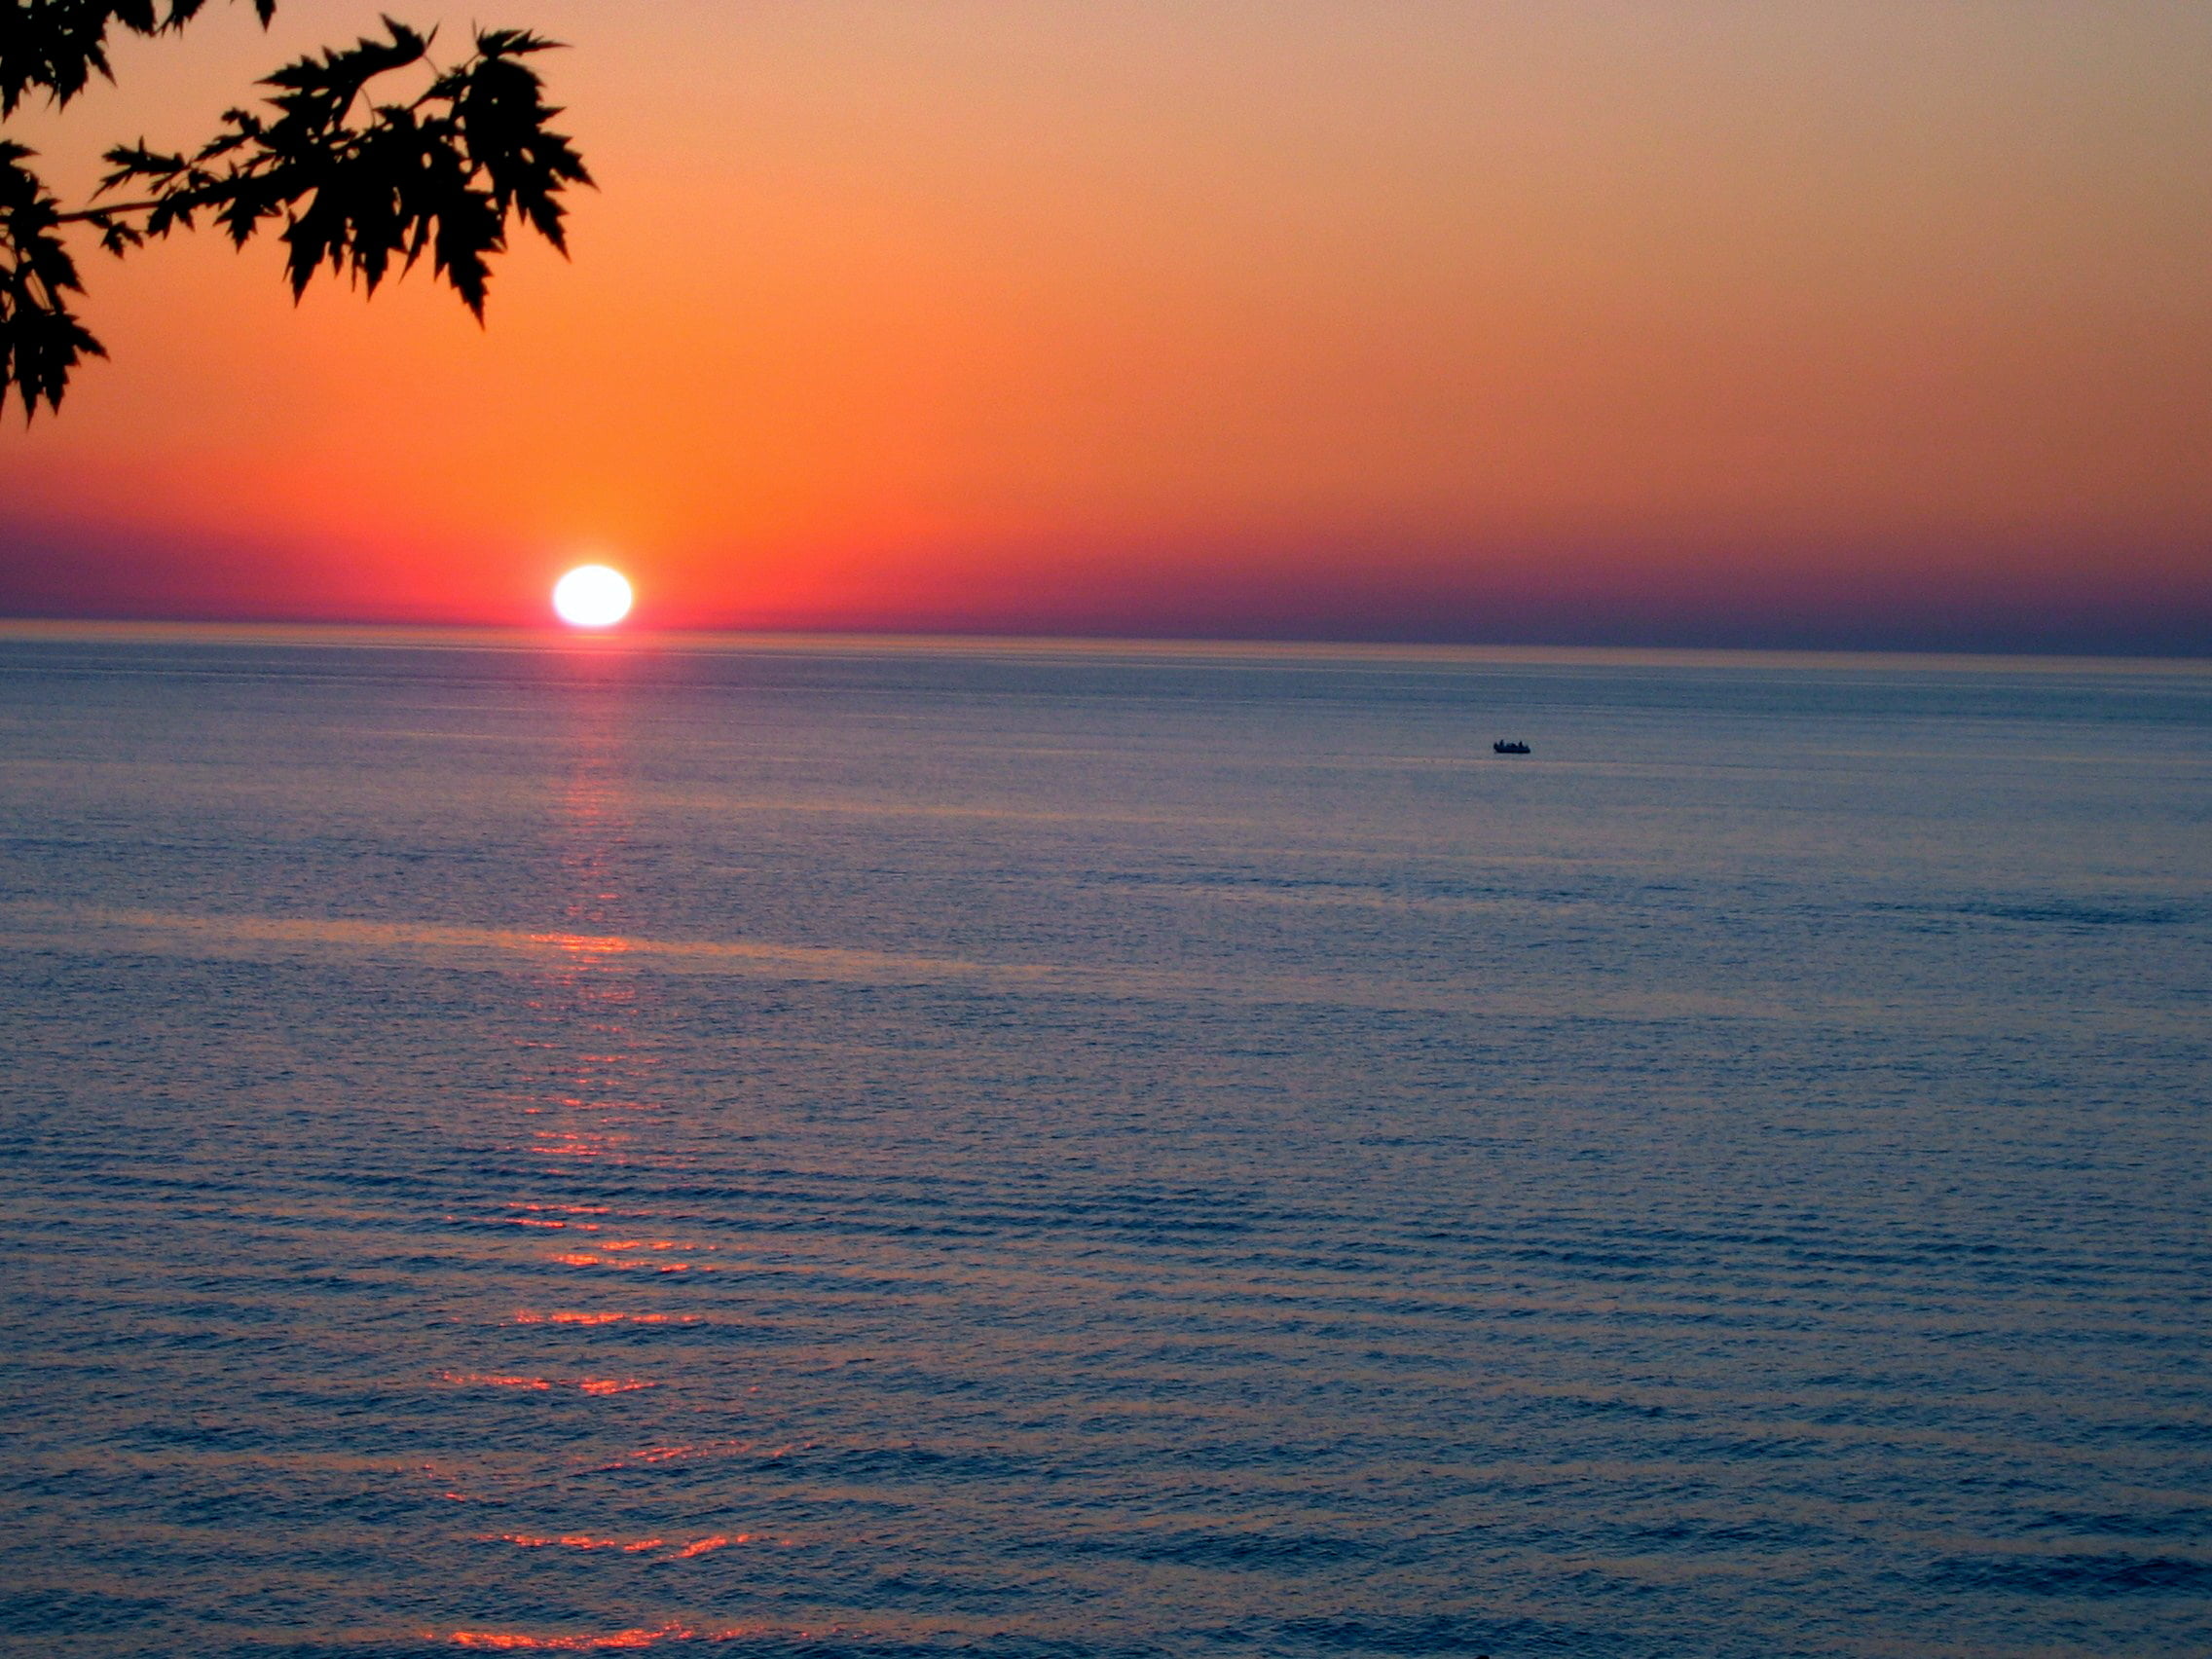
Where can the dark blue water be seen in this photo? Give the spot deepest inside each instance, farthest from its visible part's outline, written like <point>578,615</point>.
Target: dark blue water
<point>894,1151</point>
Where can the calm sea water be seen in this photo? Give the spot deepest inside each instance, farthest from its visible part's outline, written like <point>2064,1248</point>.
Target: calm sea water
<point>894,1151</point>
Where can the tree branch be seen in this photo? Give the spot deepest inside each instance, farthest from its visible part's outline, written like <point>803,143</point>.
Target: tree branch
<point>82,215</point>
<point>353,189</point>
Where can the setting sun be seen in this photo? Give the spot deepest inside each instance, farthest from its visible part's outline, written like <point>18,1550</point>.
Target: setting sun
<point>592,596</point>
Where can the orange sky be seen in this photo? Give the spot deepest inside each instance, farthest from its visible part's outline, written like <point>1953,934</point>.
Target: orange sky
<point>1848,323</point>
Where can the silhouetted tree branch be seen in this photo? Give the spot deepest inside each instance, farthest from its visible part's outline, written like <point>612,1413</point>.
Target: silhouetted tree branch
<point>358,184</point>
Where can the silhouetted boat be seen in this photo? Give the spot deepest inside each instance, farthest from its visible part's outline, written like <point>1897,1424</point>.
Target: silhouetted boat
<point>1504,747</point>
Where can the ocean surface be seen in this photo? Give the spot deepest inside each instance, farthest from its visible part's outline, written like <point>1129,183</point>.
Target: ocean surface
<point>843,1149</point>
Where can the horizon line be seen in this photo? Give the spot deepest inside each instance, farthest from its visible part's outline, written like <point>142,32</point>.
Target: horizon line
<point>462,636</point>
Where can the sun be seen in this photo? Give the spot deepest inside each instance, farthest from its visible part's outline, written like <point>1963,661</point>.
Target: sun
<point>592,596</point>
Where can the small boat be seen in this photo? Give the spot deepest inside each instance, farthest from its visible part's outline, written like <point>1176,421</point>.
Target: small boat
<point>1505,745</point>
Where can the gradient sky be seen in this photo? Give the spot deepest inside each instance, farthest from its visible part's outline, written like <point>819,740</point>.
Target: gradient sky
<point>1855,325</point>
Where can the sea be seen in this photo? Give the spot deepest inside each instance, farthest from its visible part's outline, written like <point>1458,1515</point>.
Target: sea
<point>1047,1150</point>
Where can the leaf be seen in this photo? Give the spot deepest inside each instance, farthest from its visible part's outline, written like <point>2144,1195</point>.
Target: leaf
<point>58,46</point>
<point>41,339</point>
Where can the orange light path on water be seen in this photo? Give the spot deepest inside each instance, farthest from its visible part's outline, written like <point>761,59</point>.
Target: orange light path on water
<point>516,1641</point>
<point>695,1548</point>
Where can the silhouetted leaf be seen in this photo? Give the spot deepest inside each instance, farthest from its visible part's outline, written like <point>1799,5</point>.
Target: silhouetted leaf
<point>41,340</point>
<point>58,46</point>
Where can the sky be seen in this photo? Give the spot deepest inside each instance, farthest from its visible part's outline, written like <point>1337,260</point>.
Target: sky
<point>1838,325</point>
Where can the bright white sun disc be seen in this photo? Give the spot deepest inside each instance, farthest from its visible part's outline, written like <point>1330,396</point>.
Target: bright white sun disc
<point>592,596</point>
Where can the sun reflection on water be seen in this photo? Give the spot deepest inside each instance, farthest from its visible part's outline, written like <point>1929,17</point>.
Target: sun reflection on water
<point>588,1108</point>
<point>638,1635</point>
